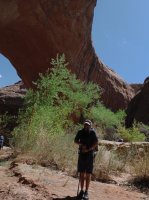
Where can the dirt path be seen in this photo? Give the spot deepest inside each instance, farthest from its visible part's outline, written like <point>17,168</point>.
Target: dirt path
<point>20,181</point>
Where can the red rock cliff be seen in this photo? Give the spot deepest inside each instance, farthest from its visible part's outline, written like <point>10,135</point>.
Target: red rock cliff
<point>138,108</point>
<point>31,33</point>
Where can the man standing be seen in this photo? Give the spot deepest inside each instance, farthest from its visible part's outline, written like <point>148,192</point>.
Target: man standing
<point>87,140</point>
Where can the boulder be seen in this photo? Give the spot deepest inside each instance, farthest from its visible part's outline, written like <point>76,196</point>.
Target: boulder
<point>31,33</point>
<point>125,147</point>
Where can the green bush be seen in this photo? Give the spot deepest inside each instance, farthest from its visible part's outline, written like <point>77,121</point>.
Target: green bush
<point>59,97</point>
<point>131,135</point>
<point>105,117</point>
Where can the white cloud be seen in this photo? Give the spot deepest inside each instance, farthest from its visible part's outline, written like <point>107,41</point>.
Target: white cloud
<point>0,76</point>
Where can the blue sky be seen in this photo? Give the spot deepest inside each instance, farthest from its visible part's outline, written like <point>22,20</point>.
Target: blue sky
<point>8,74</point>
<point>120,37</point>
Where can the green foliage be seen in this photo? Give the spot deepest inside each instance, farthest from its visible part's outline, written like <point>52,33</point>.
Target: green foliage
<point>60,86</point>
<point>131,135</point>
<point>59,95</point>
<point>105,117</point>
<point>5,119</point>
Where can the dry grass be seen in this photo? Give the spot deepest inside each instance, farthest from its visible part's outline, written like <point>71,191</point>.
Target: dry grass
<point>61,153</point>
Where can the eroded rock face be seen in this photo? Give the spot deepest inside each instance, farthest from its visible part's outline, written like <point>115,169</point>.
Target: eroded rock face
<point>137,87</point>
<point>11,99</point>
<point>31,33</point>
<point>138,108</point>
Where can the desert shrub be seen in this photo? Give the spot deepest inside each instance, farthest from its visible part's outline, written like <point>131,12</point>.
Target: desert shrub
<point>101,166</point>
<point>132,158</point>
<point>106,117</point>
<point>131,135</point>
<point>7,124</point>
<point>110,161</point>
<point>107,120</point>
<point>144,129</point>
<point>139,159</point>
<point>138,163</point>
<point>110,134</point>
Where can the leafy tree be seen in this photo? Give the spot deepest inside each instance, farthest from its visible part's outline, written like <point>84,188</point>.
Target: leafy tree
<point>59,96</point>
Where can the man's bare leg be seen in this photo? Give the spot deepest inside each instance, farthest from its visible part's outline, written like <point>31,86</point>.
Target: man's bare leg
<point>88,179</point>
<point>82,179</point>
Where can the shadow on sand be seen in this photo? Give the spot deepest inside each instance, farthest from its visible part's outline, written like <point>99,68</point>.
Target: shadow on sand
<point>66,198</point>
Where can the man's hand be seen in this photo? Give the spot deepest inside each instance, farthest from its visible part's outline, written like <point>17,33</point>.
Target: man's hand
<point>84,149</point>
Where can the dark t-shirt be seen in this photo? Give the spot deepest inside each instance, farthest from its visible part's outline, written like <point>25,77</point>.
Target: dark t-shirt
<point>87,138</point>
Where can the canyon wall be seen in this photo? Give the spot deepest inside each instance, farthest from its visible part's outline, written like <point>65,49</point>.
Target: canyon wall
<point>31,33</point>
<point>138,108</point>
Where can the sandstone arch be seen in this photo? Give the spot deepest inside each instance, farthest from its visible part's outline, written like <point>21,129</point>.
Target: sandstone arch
<point>32,33</point>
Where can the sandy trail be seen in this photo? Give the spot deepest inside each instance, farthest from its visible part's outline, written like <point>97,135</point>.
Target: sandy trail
<point>32,182</point>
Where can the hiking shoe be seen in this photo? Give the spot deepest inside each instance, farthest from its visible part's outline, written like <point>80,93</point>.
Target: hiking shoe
<point>86,195</point>
<point>81,195</point>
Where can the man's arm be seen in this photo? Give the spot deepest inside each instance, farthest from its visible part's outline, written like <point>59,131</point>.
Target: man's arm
<point>77,141</point>
<point>93,146</point>
<point>77,138</point>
